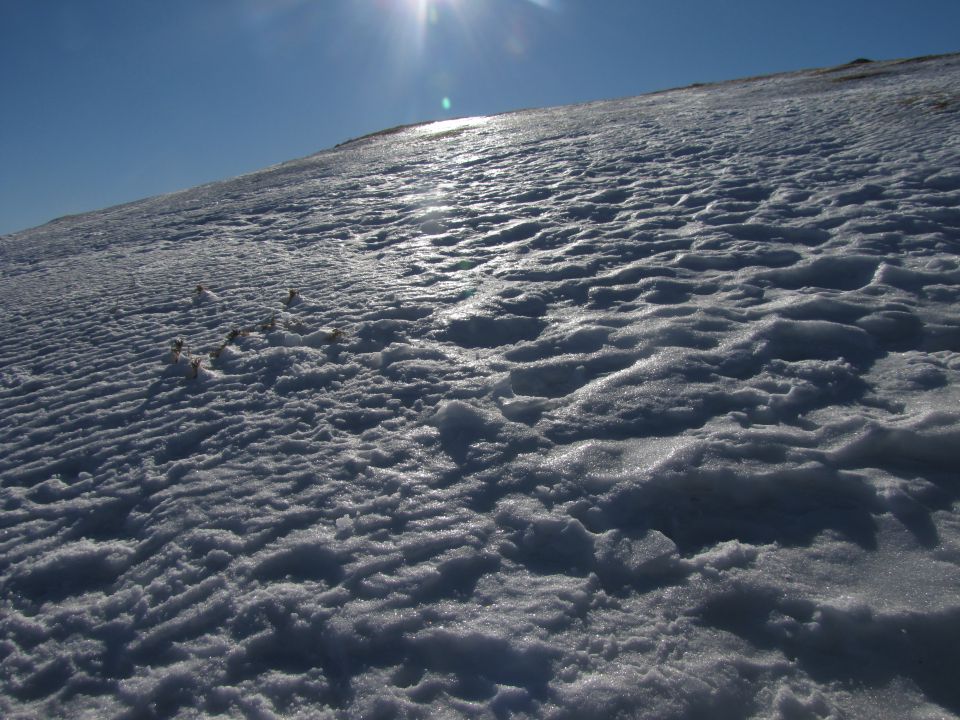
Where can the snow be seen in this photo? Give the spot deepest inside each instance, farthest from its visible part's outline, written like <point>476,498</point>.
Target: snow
<point>644,408</point>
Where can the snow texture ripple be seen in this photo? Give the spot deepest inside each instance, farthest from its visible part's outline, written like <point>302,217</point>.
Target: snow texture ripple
<point>640,409</point>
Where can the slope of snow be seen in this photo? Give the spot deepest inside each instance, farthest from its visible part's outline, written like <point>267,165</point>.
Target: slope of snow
<point>646,408</point>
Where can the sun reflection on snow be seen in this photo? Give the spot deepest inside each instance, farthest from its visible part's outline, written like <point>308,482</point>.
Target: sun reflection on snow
<point>433,196</point>
<point>447,127</point>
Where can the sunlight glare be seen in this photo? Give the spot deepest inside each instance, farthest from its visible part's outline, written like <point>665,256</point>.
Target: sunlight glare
<point>439,44</point>
<point>444,127</point>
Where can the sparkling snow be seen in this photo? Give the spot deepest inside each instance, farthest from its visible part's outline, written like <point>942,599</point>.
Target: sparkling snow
<point>645,408</point>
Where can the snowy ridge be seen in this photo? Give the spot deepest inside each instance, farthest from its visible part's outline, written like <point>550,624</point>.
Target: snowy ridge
<point>646,408</point>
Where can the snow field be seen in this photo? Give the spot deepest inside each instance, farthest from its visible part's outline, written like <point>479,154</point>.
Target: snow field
<point>645,408</point>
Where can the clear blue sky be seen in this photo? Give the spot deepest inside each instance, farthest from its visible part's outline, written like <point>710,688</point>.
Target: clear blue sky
<point>106,101</point>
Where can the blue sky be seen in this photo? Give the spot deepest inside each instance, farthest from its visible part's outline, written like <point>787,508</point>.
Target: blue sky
<point>106,101</point>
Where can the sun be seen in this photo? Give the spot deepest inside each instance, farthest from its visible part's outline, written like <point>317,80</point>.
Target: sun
<point>441,48</point>
<point>427,12</point>
<point>431,30</point>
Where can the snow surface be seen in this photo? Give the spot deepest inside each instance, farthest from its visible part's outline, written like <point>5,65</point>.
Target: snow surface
<point>644,408</point>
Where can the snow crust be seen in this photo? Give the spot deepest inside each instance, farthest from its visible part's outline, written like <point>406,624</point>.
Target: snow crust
<point>640,409</point>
